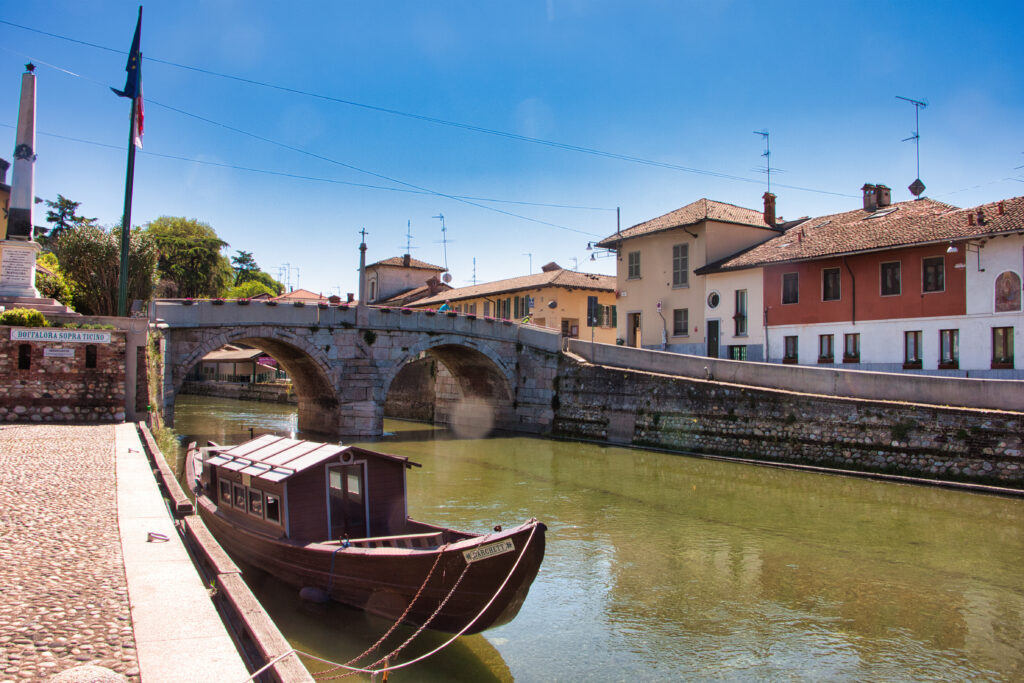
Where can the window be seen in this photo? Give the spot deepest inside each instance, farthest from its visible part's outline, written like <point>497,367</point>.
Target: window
<point>713,300</point>
<point>1002,347</point>
<point>570,327</point>
<point>681,265</point>
<point>273,508</point>
<point>912,350</point>
<point>487,308</point>
<point>633,265</point>
<point>740,317</point>
<point>681,322</point>
<point>738,352</point>
<point>933,274</point>
<point>225,492</point>
<point>606,316</point>
<point>949,349</point>
<point>891,279</point>
<point>256,503</point>
<point>830,280</point>
<point>790,288</point>
<point>24,356</point>
<point>851,348</point>
<point>826,348</point>
<point>239,496</point>
<point>90,356</point>
<point>790,349</point>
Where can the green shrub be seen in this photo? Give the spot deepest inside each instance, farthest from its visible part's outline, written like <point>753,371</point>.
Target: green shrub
<point>23,317</point>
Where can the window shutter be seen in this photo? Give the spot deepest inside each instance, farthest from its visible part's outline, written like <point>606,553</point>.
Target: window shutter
<point>614,317</point>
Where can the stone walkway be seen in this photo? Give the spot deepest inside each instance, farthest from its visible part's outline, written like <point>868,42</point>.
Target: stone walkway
<point>63,594</point>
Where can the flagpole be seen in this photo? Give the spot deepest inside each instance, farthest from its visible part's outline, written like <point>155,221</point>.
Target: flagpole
<point>126,230</point>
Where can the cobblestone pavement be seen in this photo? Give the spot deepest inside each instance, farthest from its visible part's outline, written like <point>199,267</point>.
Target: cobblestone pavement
<point>63,594</point>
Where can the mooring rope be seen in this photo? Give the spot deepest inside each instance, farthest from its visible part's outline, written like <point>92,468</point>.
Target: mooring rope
<point>386,668</point>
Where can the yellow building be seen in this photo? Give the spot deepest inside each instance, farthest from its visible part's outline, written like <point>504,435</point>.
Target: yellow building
<point>554,298</point>
<point>667,303</point>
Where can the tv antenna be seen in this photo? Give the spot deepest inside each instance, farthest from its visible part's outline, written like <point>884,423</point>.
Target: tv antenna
<point>530,256</point>
<point>473,280</point>
<point>408,237</point>
<point>767,154</point>
<point>916,187</point>
<point>444,239</point>
<point>575,263</point>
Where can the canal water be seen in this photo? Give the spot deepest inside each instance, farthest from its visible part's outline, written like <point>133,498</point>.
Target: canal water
<point>665,567</point>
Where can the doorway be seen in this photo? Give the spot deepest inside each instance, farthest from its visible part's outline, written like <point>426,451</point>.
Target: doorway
<point>633,335</point>
<point>346,489</point>
<point>713,338</point>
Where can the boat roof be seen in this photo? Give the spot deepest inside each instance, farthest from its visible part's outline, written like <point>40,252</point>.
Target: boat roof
<point>276,458</point>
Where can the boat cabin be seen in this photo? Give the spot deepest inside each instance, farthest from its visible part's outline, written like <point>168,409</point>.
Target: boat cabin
<point>308,491</point>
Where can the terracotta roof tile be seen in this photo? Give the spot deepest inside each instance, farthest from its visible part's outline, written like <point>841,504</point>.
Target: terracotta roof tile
<point>554,278</point>
<point>400,262</point>
<point>691,214</point>
<point>301,295</point>
<point>901,224</point>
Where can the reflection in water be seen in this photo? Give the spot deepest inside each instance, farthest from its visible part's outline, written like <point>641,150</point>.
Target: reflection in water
<point>665,567</point>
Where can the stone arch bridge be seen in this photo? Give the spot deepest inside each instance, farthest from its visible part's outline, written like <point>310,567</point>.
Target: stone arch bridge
<point>343,360</point>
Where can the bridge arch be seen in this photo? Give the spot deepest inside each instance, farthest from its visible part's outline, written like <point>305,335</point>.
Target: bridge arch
<point>480,383</point>
<point>313,378</point>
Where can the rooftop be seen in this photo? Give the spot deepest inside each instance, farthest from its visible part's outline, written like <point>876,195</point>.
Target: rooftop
<point>399,261</point>
<point>691,214</point>
<point>921,221</point>
<point>556,277</point>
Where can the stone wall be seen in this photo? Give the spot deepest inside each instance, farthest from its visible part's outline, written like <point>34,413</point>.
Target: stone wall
<point>244,391</point>
<point>709,417</point>
<point>411,396</point>
<point>62,389</point>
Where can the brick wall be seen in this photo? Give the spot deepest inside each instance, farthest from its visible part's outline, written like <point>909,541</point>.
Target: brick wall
<point>690,415</point>
<point>55,389</point>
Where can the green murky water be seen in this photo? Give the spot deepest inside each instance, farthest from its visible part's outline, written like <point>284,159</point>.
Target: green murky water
<point>662,567</point>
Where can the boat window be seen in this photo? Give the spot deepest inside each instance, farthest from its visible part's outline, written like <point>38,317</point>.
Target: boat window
<point>225,492</point>
<point>239,497</point>
<point>256,502</point>
<point>273,508</point>
<point>354,484</point>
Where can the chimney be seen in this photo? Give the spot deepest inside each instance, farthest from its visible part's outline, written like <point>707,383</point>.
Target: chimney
<point>870,197</point>
<point>883,195</point>
<point>4,165</point>
<point>406,260</point>
<point>769,209</point>
<point>350,297</point>
<point>970,219</point>
<point>981,217</point>
<point>433,285</point>
<point>1002,209</point>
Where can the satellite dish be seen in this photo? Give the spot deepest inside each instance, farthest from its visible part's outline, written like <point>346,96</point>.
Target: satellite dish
<point>447,277</point>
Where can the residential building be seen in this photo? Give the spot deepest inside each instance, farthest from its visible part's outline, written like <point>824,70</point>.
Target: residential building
<point>666,302</point>
<point>399,276</point>
<point>554,298</point>
<point>887,287</point>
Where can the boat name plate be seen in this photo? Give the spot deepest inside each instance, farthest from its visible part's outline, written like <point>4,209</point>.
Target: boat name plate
<point>485,551</point>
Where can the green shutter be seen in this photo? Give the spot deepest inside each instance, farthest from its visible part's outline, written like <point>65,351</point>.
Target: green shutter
<point>615,321</point>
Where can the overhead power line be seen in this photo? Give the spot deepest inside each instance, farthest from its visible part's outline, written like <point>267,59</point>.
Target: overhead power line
<point>434,120</point>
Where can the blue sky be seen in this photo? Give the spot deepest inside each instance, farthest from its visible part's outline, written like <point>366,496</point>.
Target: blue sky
<point>673,82</point>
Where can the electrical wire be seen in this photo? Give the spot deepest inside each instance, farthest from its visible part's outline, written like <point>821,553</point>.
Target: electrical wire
<point>297,176</point>
<point>438,121</point>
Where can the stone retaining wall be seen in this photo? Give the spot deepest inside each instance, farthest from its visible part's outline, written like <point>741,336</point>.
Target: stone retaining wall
<point>62,389</point>
<point>708,417</point>
<point>268,393</point>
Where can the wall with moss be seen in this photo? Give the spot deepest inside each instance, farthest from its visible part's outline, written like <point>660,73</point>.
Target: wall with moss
<point>714,418</point>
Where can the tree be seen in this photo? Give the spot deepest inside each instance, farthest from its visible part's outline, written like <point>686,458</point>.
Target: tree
<point>90,256</point>
<point>245,266</point>
<point>51,282</point>
<point>191,265</point>
<point>63,216</point>
<point>276,288</point>
<point>248,290</point>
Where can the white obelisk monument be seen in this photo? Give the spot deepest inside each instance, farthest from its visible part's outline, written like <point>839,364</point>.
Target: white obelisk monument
<point>17,248</point>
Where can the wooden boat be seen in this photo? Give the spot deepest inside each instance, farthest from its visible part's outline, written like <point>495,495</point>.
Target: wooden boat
<point>333,520</point>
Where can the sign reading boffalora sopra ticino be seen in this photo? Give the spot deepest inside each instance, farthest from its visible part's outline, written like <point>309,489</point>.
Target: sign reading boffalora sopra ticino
<point>50,335</point>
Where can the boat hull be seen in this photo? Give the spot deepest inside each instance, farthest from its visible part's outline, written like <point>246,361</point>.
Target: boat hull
<point>474,584</point>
